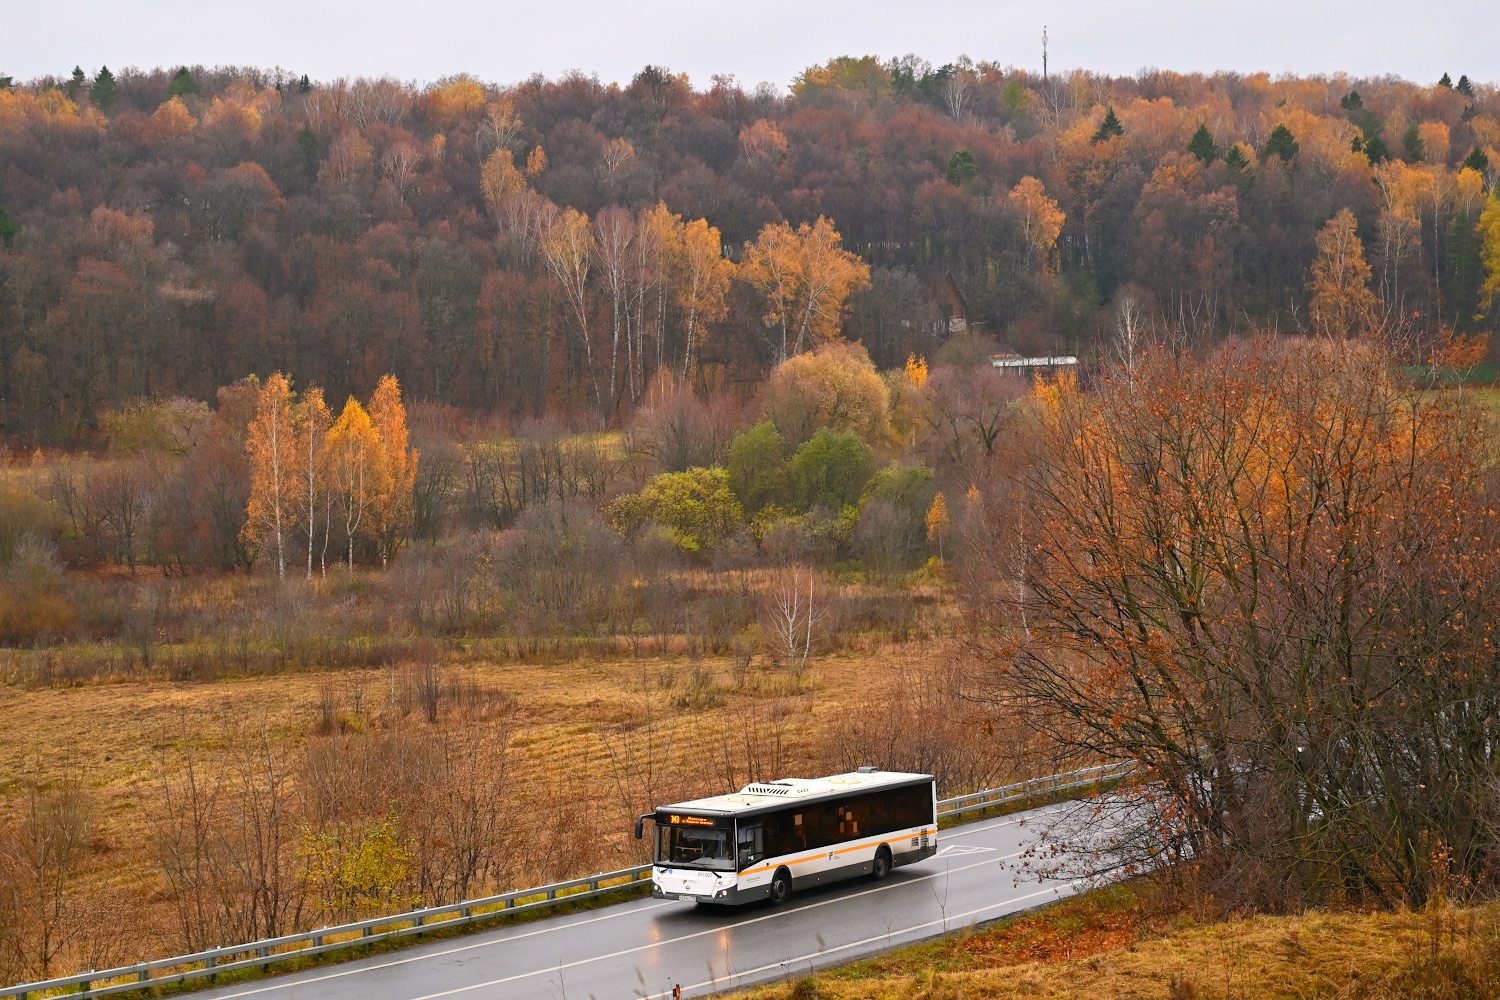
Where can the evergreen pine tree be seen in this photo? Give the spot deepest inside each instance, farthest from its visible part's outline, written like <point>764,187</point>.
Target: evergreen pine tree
<point>1377,150</point>
<point>307,151</point>
<point>1415,147</point>
<point>182,85</point>
<point>1235,159</point>
<point>1110,127</point>
<point>1465,267</point>
<point>8,229</point>
<point>104,92</point>
<point>1352,102</point>
<point>1476,160</point>
<point>75,83</point>
<point>1283,144</point>
<point>1464,86</point>
<point>1202,145</point>
<point>1446,82</point>
<point>5,82</point>
<point>961,167</point>
<point>304,85</point>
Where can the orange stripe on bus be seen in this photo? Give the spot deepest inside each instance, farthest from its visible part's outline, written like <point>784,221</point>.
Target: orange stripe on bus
<point>824,854</point>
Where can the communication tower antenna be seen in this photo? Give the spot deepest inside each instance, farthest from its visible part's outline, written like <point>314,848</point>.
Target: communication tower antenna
<point>1044,52</point>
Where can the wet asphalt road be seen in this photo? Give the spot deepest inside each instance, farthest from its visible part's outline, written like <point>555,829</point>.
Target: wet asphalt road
<point>645,947</point>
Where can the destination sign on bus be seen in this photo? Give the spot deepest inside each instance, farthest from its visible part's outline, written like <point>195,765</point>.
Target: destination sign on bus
<point>690,820</point>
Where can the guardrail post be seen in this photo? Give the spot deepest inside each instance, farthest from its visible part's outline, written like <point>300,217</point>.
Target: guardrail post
<point>465,912</point>
<point>144,976</point>
<point>366,932</point>
<point>551,893</point>
<point>261,953</point>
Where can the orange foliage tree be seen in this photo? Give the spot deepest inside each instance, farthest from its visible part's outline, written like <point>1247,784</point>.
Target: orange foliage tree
<point>353,450</point>
<point>1342,303</point>
<point>395,469</point>
<point>806,278</point>
<point>1270,578</point>
<point>272,445</point>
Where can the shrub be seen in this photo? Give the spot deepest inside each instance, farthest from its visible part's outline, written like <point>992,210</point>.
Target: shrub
<point>22,515</point>
<point>836,386</point>
<point>680,431</point>
<point>831,470</point>
<point>557,570</point>
<point>33,606</point>
<point>757,467</point>
<point>891,528</point>
<point>696,506</point>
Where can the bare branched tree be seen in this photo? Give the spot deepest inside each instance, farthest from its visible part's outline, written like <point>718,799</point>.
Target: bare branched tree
<point>957,89</point>
<point>792,615</point>
<point>1269,577</point>
<point>43,855</point>
<point>1129,339</point>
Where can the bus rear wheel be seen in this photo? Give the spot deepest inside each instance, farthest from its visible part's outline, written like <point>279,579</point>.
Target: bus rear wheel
<point>882,866</point>
<point>781,887</point>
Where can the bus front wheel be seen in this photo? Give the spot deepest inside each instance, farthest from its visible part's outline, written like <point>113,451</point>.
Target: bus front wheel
<point>882,866</point>
<point>781,887</point>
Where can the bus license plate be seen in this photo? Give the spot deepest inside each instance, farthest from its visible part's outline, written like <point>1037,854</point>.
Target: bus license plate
<point>688,899</point>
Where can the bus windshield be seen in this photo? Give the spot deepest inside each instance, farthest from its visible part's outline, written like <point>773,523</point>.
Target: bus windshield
<point>695,842</point>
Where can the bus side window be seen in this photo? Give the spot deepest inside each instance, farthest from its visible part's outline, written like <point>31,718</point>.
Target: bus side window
<point>781,833</point>
<point>855,821</point>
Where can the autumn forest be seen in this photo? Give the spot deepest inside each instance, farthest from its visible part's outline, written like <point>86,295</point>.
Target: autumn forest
<point>383,465</point>
<point>545,249</point>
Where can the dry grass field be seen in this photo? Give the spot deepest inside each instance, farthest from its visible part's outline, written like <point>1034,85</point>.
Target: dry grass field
<point>586,744</point>
<point>1111,944</point>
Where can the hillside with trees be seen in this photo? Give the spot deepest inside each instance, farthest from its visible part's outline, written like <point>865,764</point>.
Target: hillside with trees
<point>546,248</point>
<point>404,488</point>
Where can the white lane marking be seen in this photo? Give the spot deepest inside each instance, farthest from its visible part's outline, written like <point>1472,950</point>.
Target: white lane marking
<point>434,954</point>
<point>731,976</point>
<point>964,832</point>
<point>698,934</point>
<point>959,850</point>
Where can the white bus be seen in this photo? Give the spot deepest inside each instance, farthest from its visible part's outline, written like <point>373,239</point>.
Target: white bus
<point>770,838</point>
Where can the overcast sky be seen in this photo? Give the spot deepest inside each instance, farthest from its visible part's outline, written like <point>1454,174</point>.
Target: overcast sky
<point>758,40</point>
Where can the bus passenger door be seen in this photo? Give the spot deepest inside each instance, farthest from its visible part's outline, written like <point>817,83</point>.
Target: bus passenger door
<point>751,851</point>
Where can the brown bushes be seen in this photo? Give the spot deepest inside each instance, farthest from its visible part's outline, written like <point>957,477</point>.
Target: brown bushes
<point>48,921</point>
<point>930,722</point>
<point>1270,577</point>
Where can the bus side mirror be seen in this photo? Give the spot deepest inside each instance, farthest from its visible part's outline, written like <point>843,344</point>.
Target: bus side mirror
<point>640,821</point>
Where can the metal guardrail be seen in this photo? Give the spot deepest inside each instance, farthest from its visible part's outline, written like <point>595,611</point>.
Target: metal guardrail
<point>991,798</point>
<point>325,939</point>
<point>215,961</point>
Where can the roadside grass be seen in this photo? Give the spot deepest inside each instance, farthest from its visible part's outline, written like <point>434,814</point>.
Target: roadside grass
<point>1126,942</point>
